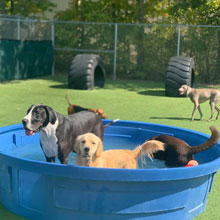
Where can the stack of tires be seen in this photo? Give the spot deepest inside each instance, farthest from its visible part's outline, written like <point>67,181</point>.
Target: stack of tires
<point>180,72</point>
<point>86,72</point>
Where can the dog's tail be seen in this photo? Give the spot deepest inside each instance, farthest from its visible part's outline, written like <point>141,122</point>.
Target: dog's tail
<point>67,98</point>
<point>111,122</point>
<point>148,148</point>
<point>212,141</point>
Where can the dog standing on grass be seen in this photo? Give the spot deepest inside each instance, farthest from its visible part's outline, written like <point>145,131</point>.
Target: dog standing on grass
<point>198,96</point>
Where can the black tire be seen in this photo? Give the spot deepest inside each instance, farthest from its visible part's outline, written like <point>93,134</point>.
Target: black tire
<point>86,72</point>
<point>180,72</point>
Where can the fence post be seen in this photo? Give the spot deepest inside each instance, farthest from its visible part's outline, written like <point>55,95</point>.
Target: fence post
<point>53,44</point>
<point>18,29</point>
<point>178,40</point>
<point>115,51</point>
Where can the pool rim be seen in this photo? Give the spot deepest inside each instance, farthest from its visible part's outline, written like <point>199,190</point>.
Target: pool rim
<point>109,174</point>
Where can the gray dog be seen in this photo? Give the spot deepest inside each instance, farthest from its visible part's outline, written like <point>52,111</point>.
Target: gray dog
<point>58,133</point>
<point>198,96</point>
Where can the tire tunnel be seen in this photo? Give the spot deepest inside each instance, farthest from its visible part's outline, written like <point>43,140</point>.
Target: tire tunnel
<point>180,72</point>
<point>86,72</point>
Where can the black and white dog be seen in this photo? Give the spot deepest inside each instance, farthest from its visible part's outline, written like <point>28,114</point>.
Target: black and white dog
<point>58,132</point>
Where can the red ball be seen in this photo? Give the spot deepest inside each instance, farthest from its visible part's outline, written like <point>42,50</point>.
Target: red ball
<point>192,163</point>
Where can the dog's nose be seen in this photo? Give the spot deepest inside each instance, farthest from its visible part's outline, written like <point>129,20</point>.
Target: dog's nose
<point>86,149</point>
<point>24,121</point>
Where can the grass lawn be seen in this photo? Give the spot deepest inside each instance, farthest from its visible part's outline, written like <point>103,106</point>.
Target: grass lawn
<point>127,100</point>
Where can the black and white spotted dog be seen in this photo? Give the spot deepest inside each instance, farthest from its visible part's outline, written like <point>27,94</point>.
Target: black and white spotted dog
<point>58,132</point>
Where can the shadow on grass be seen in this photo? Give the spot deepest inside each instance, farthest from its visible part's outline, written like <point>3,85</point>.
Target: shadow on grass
<point>152,92</point>
<point>62,86</point>
<point>59,78</point>
<point>174,118</point>
<point>141,87</point>
<point>133,85</point>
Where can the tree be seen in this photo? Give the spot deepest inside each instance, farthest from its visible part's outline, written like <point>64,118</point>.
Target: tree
<point>200,12</point>
<point>123,11</point>
<point>26,8</point>
<point>139,46</point>
<point>194,12</point>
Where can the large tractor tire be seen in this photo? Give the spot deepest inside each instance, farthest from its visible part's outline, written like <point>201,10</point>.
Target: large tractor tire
<point>180,72</point>
<point>86,72</point>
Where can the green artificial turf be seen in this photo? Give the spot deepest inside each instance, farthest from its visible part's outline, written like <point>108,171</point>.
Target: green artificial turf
<point>127,100</point>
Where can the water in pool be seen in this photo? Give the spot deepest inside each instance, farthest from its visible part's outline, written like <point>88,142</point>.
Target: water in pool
<point>34,151</point>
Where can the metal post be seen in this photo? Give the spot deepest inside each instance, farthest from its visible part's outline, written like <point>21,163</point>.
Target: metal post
<point>115,51</point>
<point>53,43</point>
<point>178,41</point>
<point>18,29</point>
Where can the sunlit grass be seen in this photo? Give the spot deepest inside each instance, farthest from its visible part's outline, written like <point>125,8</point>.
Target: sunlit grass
<point>127,100</point>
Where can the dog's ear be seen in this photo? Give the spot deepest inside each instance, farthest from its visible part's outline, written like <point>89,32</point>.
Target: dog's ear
<point>51,115</point>
<point>101,113</point>
<point>188,90</point>
<point>99,148</point>
<point>77,144</point>
<point>30,108</point>
<point>97,112</point>
<point>104,115</point>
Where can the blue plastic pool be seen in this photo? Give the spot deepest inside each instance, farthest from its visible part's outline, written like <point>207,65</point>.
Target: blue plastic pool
<point>35,189</point>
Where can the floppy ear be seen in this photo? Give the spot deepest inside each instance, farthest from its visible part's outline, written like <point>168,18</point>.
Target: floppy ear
<point>77,144</point>
<point>104,115</point>
<point>101,113</point>
<point>99,148</point>
<point>30,108</point>
<point>188,90</point>
<point>51,115</point>
<point>97,112</point>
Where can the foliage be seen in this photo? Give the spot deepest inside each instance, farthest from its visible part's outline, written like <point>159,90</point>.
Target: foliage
<point>201,43</point>
<point>26,8</point>
<point>195,12</point>
<point>122,11</point>
<point>141,48</point>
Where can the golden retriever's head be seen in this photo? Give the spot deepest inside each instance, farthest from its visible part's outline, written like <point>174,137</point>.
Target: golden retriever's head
<point>89,146</point>
<point>184,90</point>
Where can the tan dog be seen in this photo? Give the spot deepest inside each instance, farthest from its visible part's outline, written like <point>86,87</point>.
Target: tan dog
<point>72,108</point>
<point>90,153</point>
<point>198,96</point>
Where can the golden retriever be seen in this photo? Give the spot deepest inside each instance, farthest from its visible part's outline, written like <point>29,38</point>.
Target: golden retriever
<point>90,153</point>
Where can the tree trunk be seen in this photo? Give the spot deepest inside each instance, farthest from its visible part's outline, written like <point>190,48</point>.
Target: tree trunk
<point>12,7</point>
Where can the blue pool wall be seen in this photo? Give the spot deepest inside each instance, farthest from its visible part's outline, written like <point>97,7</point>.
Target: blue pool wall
<point>40,190</point>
